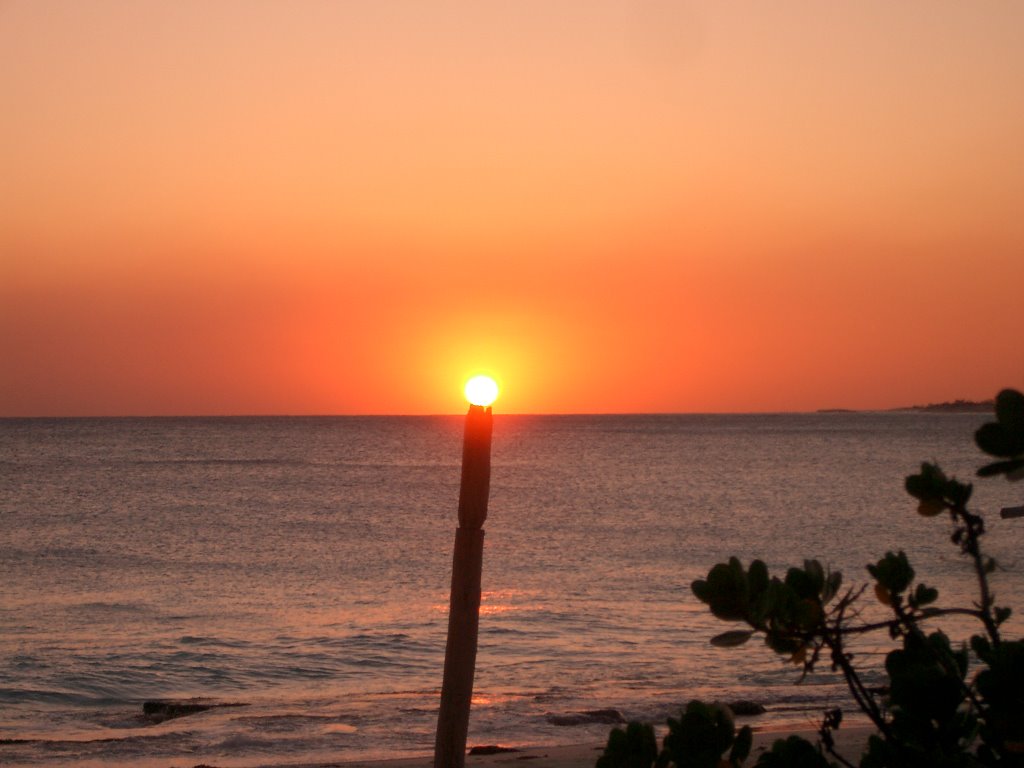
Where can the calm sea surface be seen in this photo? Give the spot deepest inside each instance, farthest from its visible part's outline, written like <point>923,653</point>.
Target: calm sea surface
<point>300,566</point>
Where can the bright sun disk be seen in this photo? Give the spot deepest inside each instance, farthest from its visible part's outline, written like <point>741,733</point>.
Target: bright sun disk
<point>481,390</point>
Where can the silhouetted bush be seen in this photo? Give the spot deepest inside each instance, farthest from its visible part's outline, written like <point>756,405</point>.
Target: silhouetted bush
<point>941,707</point>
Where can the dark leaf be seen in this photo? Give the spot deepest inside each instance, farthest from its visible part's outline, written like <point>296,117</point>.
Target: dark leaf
<point>926,485</point>
<point>993,438</point>
<point>835,580</point>
<point>801,583</point>
<point>793,752</point>
<point>934,478</point>
<point>725,591</point>
<point>893,572</point>
<point>740,750</point>
<point>757,578</point>
<point>1010,409</point>
<point>981,646</point>
<point>808,614</point>
<point>959,493</point>
<point>700,590</point>
<point>635,747</point>
<point>782,643</point>
<point>924,595</point>
<point>816,573</point>
<point>1001,468</point>
<point>732,638</point>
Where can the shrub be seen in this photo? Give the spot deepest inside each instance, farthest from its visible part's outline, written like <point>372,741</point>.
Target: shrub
<point>941,707</point>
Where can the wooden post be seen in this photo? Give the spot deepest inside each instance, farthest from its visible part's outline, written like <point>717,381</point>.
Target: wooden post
<point>464,609</point>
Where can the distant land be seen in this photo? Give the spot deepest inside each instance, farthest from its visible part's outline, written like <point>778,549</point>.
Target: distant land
<point>955,406</point>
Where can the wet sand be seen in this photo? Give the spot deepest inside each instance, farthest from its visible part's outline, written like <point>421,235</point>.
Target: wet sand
<point>850,742</point>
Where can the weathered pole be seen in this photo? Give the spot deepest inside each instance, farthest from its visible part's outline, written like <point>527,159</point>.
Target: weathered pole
<point>464,610</point>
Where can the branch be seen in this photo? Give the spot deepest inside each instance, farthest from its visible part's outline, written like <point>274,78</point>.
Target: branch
<point>974,527</point>
<point>917,616</point>
<point>865,701</point>
<point>829,724</point>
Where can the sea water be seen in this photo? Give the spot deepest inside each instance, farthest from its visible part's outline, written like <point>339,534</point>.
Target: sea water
<point>300,567</point>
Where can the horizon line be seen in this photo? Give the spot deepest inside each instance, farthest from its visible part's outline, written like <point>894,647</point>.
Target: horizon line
<point>816,411</point>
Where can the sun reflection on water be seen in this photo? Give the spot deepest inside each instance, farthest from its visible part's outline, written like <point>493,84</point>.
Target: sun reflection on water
<point>500,601</point>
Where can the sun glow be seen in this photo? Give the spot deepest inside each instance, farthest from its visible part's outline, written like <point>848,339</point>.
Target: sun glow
<point>481,390</point>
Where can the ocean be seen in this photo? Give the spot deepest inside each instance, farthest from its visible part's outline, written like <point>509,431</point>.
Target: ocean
<point>299,568</point>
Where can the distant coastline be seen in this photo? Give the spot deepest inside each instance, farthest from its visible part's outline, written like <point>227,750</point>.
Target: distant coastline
<point>954,406</point>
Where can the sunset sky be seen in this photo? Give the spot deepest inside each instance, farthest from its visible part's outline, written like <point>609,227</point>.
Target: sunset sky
<point>249,207</point>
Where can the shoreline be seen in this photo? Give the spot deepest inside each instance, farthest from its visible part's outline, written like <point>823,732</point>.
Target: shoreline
<point>850,743</point>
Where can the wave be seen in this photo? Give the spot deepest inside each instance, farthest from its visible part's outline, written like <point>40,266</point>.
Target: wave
<point>13,696</point>
<point>219,461</point>
<point>213,642</point>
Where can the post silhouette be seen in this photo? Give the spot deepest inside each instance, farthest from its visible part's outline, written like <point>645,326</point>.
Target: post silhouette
<point>464,608</point>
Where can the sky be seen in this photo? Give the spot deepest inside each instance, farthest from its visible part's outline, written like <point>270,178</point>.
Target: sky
<point>253,207</point>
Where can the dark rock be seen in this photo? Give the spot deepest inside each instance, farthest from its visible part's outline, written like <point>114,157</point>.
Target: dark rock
<point>491,749</point>
<point>167,710</point>
<point>602,716</point>
<point>159,711</point>
<point>744,707</point>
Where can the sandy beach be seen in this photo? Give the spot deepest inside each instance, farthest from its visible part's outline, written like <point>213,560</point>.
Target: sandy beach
<point>849,741</point>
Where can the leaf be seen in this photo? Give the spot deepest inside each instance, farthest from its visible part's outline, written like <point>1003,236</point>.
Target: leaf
<point>757,578</point>
<point>816,573</point>
<point>893,572</point>
<point>793,752</point>
<point>636,746</point>
<point>701,735</point>
<point>1010,409</point>
<point>808,614</point>
<point>981,646</point>
<point>801,582</point>
<point>833,718</point>
<point>725,591</point>
<point>732,638</point>
<point>993,438</point>
<point>959,493</point>
<point>926,595</point>
<point>774,598</point>
<point>832,585</point>
<point>700,590</point>
<point>741,748</point>
<point>919,487</point>
<point>1009,468</point>
<point>929,484</point>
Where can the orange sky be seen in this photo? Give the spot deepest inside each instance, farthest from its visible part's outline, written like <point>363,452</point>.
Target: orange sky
<point>250,207</point>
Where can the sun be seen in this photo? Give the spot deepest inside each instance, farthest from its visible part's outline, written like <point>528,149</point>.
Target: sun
<point>481,390</point>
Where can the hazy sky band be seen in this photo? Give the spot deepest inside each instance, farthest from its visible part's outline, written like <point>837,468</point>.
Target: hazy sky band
<point>319,207</point>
